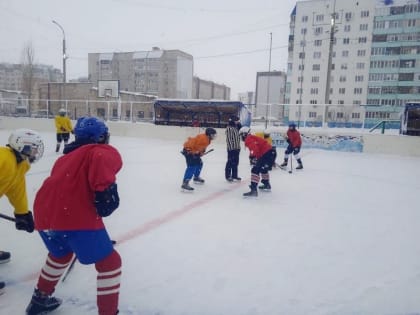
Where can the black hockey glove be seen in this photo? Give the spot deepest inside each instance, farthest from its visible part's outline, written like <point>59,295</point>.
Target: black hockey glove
<point>107,201</point>
<point>25,222</point>
<point>253,160</point>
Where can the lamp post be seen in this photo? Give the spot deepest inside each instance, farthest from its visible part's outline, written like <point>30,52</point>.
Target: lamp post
<point>330,53</point>
<point>268,81</point>
<point>64,50</point>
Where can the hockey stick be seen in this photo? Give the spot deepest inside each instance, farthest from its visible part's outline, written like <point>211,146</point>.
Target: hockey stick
<point>207,152</point>
<point>73,262</point>
<point>66,273</point>
<point>291,164</point>
<point>6,217</point>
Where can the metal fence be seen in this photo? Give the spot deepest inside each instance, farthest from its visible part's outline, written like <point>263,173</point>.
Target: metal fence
<point>114,110</point>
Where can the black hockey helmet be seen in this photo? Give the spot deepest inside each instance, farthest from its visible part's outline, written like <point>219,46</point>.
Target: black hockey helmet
<point>232,120</point>
<point>211,132</point>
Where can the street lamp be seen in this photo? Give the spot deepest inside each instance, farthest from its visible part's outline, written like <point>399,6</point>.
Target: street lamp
<point>64,50</point>
<point>268,81</point>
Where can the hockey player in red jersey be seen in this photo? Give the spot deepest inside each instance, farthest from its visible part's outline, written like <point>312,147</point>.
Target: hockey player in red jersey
<point>68,211</point>
<point>264,154</point>
<point>295,142</point>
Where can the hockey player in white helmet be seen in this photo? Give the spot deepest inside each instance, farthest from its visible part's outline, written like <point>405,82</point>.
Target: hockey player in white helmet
<point>264,157</point>
<point>24,147</point>
<point>63,128</point>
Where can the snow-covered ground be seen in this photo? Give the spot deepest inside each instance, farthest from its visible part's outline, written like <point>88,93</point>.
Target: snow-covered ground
<point>340,237</point>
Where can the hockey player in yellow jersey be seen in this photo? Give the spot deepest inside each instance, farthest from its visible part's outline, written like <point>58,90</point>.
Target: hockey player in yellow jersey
<point>63,128</point>
<point>24,147</point>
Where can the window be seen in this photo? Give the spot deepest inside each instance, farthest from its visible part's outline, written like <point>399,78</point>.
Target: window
<point>347,28</point>
<point>358,78</point>
<point>316,67</point>
<point>314,91</point>
<point>301,67</point>
<point>361,53</point>
<point>300,79</point>
<point>346,41</point>
<point>304,19</point>
<point>319,18</point>
<point>303,31</point>
<point>299,91</point>
<point>344,66</point>
<point>315,79</point>
<point>342,78</point>
<point>355,115</point>
<point>342,91</point>
<point>345,53</point>
<point>318,30</point>
<point>340,115</point>
<point>301,55</point>
<point>348,16</point>
<point>364,14</point>
<point>318,42</point>
<point>317,54</point>
<point>363,27</point>
<point>313,102</point>
<point>360,65</point>
<point>362,40</point>
<point>312,114</point>
<point>358,90</point>
<point>140,114</point>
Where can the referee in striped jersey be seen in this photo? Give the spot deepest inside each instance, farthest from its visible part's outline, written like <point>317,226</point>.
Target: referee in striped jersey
<point>233,142</point>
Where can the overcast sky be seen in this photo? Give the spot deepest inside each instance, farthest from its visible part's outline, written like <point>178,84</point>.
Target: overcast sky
<point>229,39</point>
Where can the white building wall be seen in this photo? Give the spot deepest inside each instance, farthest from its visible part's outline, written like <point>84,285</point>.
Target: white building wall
<point>351,53</point>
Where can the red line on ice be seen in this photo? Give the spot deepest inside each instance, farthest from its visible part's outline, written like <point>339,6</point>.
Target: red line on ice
<point>154,224</point>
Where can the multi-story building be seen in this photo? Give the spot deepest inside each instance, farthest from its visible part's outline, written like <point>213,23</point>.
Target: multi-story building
<point>347,53</point>
<point>320,73</point>
<point>163,73</point>
<point>208,90</point>
<point>11,75</point>
<point>247,98</point>
<point>269,95</point>
<point>394,72</point>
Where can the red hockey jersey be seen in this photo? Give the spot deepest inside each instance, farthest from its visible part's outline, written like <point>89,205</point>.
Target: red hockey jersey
<point>65,200</point>
<point>257,146</point>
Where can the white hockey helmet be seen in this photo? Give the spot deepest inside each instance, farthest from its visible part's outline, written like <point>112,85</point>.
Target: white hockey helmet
<point>28,143</point>
<point>267,132</point>
<point>62,112</point>
<point>244,130</point>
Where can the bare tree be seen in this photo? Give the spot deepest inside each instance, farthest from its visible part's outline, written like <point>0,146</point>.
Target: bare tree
<point>28,63</point>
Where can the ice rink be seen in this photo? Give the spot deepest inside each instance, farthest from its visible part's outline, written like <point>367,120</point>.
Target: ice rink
<point>340,237</point>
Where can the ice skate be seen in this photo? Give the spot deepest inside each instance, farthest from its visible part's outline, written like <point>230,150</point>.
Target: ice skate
<point>4,257</point>
<point>265,187</point>
<point>42,303</point>
<point>186,186</point>
<point>198,180</point>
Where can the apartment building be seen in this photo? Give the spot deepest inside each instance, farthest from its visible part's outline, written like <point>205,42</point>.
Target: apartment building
<point>373,59</point>
<point>209,90</point>
<point>347,25</point>
<point>163,73</point>
<point>11,75</point>
<point>394,72</point>
<point>270,94</point>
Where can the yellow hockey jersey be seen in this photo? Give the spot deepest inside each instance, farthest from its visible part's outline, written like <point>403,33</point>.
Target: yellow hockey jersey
<point>63,124</point>
<point>12,180</point>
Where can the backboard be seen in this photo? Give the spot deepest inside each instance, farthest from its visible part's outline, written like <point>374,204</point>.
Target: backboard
<point>109,88</point>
